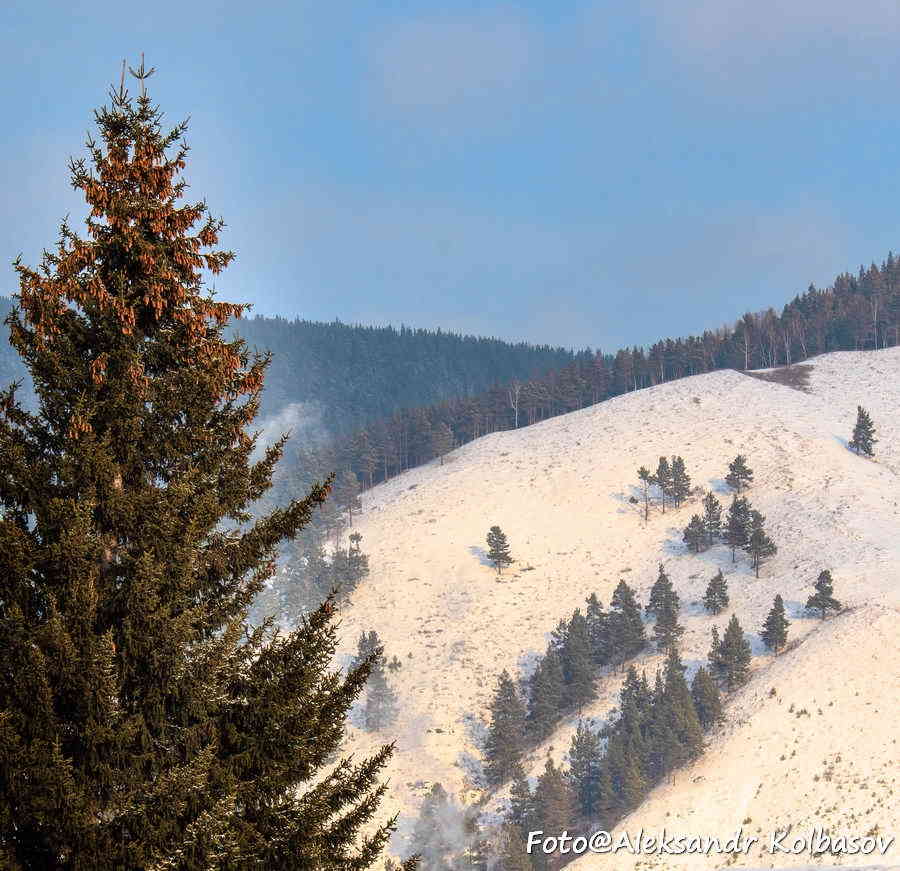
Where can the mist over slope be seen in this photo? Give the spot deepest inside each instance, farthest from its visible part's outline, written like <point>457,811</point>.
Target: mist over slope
<point>560,490</point>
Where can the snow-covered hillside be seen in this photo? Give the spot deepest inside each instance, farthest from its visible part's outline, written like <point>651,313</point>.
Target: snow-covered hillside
<point>560,490</point>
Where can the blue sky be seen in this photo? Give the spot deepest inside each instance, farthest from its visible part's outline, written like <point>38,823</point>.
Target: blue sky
<point>577,173</point>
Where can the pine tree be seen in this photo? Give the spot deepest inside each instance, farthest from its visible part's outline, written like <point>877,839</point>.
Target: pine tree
<point>142,725</point>
<point>646,480</point>
<point>740,475</point>
<point>737,529</point>
<point>346,494</point>
<point>553,800</point>
<point>663,479</point>
<point>521,801</point>
<point>660,592</point>
<point>584,769</point>
<point>863,441</point>
<point>498,549</point>
<point>626,629</point>
<point>823,599</point>
<point>596,627</point>
<point>714,657</point>
<point>715,599</point>
<point>681,481</point>
<point>438,830</point>
<point>759,546</point>
<point>734,655</point>
<point>441,441</point>
<point>694,535</point>
<point>514,850</point>
<point>577,664</point>
<point>667,630</point>
<point>679,712</point>
<point>506,732</point>
<point>545,697</point>
<point>380,710</point>
<point>712,519</point>
<point>707,701</point>
<point>774,632</point>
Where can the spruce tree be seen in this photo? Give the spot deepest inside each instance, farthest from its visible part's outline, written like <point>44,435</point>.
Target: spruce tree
<point>774,631</point>
<point>740,475</point>
<point>663,479</point>
<point>863,440</point>
<point>715,599</point>
<point>694,535</point>
<point>441,441</point>
<point>584,769</point>
<point>734,655</point>
<point>577,664</point>
<point>346,494</point>
<point>498,549</point>
<point>660,592</point>
<point>143,723</point>
<point>823,599</point>
<point>596,627</point>
<point>553,800</point>
<point>437,832</point>
<point>714,657</point>
<point>626,629</point>
<point>646,480</point>
<point>667,630</point>
<point>680,713</point>
<point>707,701</point>
<point>759,546</point>
<point>381,706</point>
<point>545,696</point>
<point>712,519</point>
<point>521,801</point>
<point>506,732</point>
<point>737,528</point>
<point>681,481</point>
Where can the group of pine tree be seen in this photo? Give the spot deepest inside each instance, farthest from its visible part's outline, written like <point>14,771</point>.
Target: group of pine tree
<point>143,722</point>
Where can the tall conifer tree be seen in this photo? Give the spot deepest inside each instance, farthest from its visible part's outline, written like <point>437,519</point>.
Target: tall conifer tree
<point>863,440</point>
<point>823,599</point>
<point>715,599</point>
<point>774,631</point>
<point>740,475</point>
<point>143,725</point>
<point>506,732</point>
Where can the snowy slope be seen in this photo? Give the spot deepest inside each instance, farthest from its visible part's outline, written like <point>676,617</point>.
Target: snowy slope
<point>560,491</point>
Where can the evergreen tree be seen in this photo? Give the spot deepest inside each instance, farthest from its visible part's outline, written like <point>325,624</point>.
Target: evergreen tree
<point>694,535</point>
<point>863,441</point>
<point>734,655</point>
<point>679,713</point>
<point>774,632</point>
<point>759,546</point>
<point>346,494</point>
<point>521,801</point>
<point>646,480</point>
<point>660,592</point>
<point>633,783</point>
<point>663,479</point>
<point>438,831</point>
<point>596,628</point>
<point>626,629</point>
<point>714,657</point>
<point>142,726</point>
<point>584,769</point>
<point>577,664</point>
<point>545,698</point>
<point>381,700</point>
<point>554,802</point>
<point>514,849</point>
<point>506,733</point>
<point>707,701</point>
<point>681,481</point>
<point>667,630</point>
<point>737,529</point>
<point>740,475</point>
<point>715,599</point>
<point>823,599</point>
<point>498,549</point>
<point>712,519</point>
<point>441,441</point>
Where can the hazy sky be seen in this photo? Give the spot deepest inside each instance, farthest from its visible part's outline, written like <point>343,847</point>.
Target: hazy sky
<point>575,173</point>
